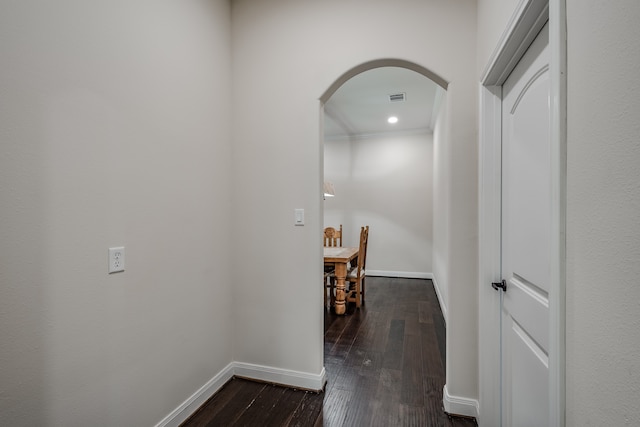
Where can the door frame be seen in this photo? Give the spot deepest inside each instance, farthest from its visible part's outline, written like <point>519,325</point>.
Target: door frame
<point>529,17</point>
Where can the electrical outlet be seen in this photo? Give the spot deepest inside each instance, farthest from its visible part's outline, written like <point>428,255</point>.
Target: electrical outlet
<point>116,259</point>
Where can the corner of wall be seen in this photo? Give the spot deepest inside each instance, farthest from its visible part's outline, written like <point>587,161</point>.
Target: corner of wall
<point>461,406</point>
<point>441,301</point>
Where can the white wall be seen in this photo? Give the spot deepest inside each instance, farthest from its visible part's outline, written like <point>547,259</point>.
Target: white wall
<point>603,206</point>
<point>114,125</point>
<point>603,201</point>
<point>441,196</point>
<point>116,121</point>
<point>385,182</point>
<point>493,18</point>
<point>287,53</point>
<point>462,244</point>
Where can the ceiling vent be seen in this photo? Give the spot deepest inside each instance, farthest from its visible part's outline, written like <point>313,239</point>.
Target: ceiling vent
<point>397,97</point>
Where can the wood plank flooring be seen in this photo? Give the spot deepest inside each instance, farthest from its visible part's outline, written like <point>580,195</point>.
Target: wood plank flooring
<point>385,366</point>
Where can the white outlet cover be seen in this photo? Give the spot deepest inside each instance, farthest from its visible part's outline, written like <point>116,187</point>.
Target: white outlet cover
<point>116,259</point>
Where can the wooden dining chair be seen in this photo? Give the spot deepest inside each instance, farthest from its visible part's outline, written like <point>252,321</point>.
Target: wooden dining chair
<point>327,286</point>
<point>357,274</point>
<point>333,237</point>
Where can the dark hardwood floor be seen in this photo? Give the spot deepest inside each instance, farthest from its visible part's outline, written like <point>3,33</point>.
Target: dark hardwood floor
<point>385,366</point>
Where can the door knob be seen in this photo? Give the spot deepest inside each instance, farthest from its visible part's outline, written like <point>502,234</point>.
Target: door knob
<point>500,285</point>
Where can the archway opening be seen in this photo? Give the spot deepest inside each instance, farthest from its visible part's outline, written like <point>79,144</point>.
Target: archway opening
<point>382,173</point>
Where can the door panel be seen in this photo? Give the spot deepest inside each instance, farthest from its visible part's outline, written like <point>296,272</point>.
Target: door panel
<point>526,243</point>
<point>530,403</point>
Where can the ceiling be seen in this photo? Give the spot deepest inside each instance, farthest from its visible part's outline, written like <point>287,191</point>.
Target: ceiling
<point>361,106</point>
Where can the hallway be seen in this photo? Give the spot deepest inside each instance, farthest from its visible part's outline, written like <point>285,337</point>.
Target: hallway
<point>385,367</point>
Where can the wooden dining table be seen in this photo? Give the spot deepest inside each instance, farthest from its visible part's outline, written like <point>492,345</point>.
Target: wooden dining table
<point>339,258</point>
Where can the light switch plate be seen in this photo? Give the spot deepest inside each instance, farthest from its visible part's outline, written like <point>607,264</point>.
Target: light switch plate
<point>299,217</point>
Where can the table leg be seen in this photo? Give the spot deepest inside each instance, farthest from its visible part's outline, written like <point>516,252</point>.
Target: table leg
<point>341,275</point>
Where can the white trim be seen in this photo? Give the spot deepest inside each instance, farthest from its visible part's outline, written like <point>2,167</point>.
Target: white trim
<point>525,23</point>
<point>197,399</point>
<point>402,274</point>
<point>285,377</point>
<point>557,310</point>
<point>489,268</point>
<point>455,405</point>
<point>529,17</point>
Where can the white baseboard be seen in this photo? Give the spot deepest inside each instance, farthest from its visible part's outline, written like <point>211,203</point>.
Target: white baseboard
<point>285,377</point>
<point>197,399</point>
<point>443,306</point>
<point>462,406</point>
<point>403,274</point>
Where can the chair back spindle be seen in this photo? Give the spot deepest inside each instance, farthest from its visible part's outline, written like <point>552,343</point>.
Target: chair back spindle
<point>333,237</point>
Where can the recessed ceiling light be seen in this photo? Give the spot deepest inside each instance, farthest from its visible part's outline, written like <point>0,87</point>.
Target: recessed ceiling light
<point>392,119</point>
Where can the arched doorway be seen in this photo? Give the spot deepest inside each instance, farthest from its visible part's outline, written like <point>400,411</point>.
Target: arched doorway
<point>383,171</point>
<point>440,127</point>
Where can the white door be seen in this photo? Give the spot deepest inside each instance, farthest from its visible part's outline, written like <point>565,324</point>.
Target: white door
<point>526,238</point>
